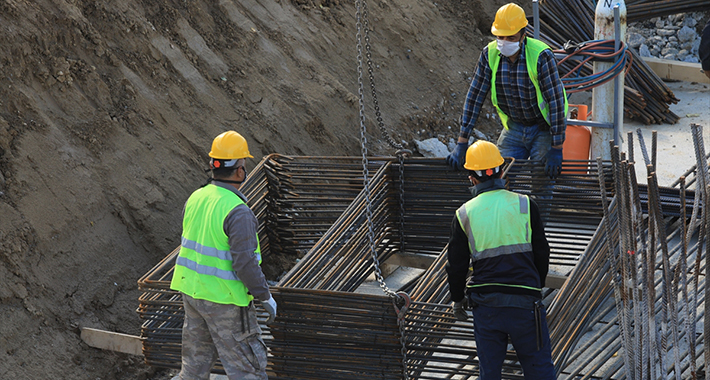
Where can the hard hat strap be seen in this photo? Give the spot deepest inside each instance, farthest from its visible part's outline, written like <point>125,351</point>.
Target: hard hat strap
<point>487,172</point>
<point>216,163</point>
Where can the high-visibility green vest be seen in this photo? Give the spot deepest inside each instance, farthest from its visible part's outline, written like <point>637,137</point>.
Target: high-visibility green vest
<point>533,49</point>
<point>203,269</point>
<point>497,223</point>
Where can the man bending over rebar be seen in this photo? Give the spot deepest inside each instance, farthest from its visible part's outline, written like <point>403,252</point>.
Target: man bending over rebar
<point>521,74</point>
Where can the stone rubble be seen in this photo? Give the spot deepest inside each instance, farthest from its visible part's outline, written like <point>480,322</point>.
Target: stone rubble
<point>675,37</point>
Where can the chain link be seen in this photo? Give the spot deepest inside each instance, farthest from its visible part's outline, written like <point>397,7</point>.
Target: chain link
<point>401,322</point>
<point>362,24</point>
<point>400,155</point>
<point>363,147</point>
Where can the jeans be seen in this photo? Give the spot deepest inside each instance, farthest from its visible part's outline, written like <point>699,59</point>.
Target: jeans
<point>492,327</point>
<point>521,142</point>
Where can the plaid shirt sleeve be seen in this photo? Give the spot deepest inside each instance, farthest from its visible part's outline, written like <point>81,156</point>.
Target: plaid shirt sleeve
<point>480,85</point>
<point>552,91</point>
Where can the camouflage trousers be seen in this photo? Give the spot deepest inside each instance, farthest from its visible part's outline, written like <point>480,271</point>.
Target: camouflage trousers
<point>230,332</point>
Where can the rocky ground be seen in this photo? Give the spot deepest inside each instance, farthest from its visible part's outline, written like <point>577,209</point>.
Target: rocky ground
<point>674,37</point>
<point>107,111</point>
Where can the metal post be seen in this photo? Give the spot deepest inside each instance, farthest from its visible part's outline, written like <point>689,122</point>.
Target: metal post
<point>608,99</point>
<point>536,19</point>
<point>619,80</point>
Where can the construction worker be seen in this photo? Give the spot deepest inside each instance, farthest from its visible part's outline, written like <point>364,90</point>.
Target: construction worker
<point>521,74</point>
<point>218,272</point>
<point>704,49</point>
<point>500,236</point>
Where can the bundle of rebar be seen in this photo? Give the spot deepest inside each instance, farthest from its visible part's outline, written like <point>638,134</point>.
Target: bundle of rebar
<point>655,271</point>
<point>646,97</point>
<point>637,10</point>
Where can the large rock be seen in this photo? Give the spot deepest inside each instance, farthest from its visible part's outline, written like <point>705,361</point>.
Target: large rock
<point>635,40</point>
<point>644,51</point>
<point>690,21</point>
<point>669,51</point>
<point>687,34</point>
<point>432,148</point>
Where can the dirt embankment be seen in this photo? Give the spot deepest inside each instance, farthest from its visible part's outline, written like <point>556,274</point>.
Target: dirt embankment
<point>107,109</point>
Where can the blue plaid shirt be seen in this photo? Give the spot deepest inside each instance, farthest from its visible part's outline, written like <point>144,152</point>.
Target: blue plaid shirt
<point>516,93</point>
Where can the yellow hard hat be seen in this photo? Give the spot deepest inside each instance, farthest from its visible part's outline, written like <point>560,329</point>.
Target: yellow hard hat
<point>510,19</point>
<point>483,155</point>
<point>229,145</point>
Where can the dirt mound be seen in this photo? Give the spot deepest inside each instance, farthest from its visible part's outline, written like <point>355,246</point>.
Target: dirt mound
<point>107,109</point>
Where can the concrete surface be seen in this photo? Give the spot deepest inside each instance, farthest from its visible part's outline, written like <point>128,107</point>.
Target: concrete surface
<point>675,143</point>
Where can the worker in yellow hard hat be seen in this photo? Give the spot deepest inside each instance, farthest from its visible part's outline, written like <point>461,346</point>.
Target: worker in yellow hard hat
<point>500,235</point>
<point>521,74</point>
<point>218,272</point>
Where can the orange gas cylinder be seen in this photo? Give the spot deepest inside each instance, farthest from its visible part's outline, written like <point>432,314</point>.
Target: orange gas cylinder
<point>577,139</point>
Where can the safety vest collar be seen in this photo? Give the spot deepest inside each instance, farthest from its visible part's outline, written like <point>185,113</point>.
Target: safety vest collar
<point>495,184</point>
<point>231,188</point>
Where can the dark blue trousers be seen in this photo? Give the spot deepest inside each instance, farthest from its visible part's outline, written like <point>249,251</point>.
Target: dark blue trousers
<point>492,327</point>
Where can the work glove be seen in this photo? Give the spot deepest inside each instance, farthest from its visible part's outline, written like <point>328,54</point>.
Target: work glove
<point>457,158</point>
<point>460,311</point>
<point>270,306</point>
<point>553,163</point>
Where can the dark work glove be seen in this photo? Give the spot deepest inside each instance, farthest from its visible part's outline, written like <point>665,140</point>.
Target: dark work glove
<point>460,311</point>
<point>553,163</point>
<point>457,158</point>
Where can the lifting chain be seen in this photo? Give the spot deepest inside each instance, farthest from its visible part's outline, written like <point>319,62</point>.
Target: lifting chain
<point>364,25</point>
<point>400,300</point>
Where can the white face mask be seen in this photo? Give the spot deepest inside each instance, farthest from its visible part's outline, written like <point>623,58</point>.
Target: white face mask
<point>508,48</point>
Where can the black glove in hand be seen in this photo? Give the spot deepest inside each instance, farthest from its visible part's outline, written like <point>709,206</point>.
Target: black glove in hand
<point>460,311</point>
<point>553,163</point>
<point>458,157</point>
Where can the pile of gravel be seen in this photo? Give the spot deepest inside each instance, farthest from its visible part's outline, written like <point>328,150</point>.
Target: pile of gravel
<point>674,37</point>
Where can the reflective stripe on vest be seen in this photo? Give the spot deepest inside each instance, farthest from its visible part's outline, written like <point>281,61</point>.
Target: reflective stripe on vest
<point>499,230</point>
<point>533,49</point>
<point>203,267</point>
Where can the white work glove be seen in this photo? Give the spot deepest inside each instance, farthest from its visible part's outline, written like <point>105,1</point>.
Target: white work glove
<point>270,306</point>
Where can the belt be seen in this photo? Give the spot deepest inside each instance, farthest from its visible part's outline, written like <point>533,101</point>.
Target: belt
<point>542,123</point>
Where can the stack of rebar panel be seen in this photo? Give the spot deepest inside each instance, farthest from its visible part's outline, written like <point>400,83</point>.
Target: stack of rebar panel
<point>334,335</point>
<point>569,205</point>
<point>309,204</point>
<point>341,260</point>
<point>646,97</point>
<point>295,199</point>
